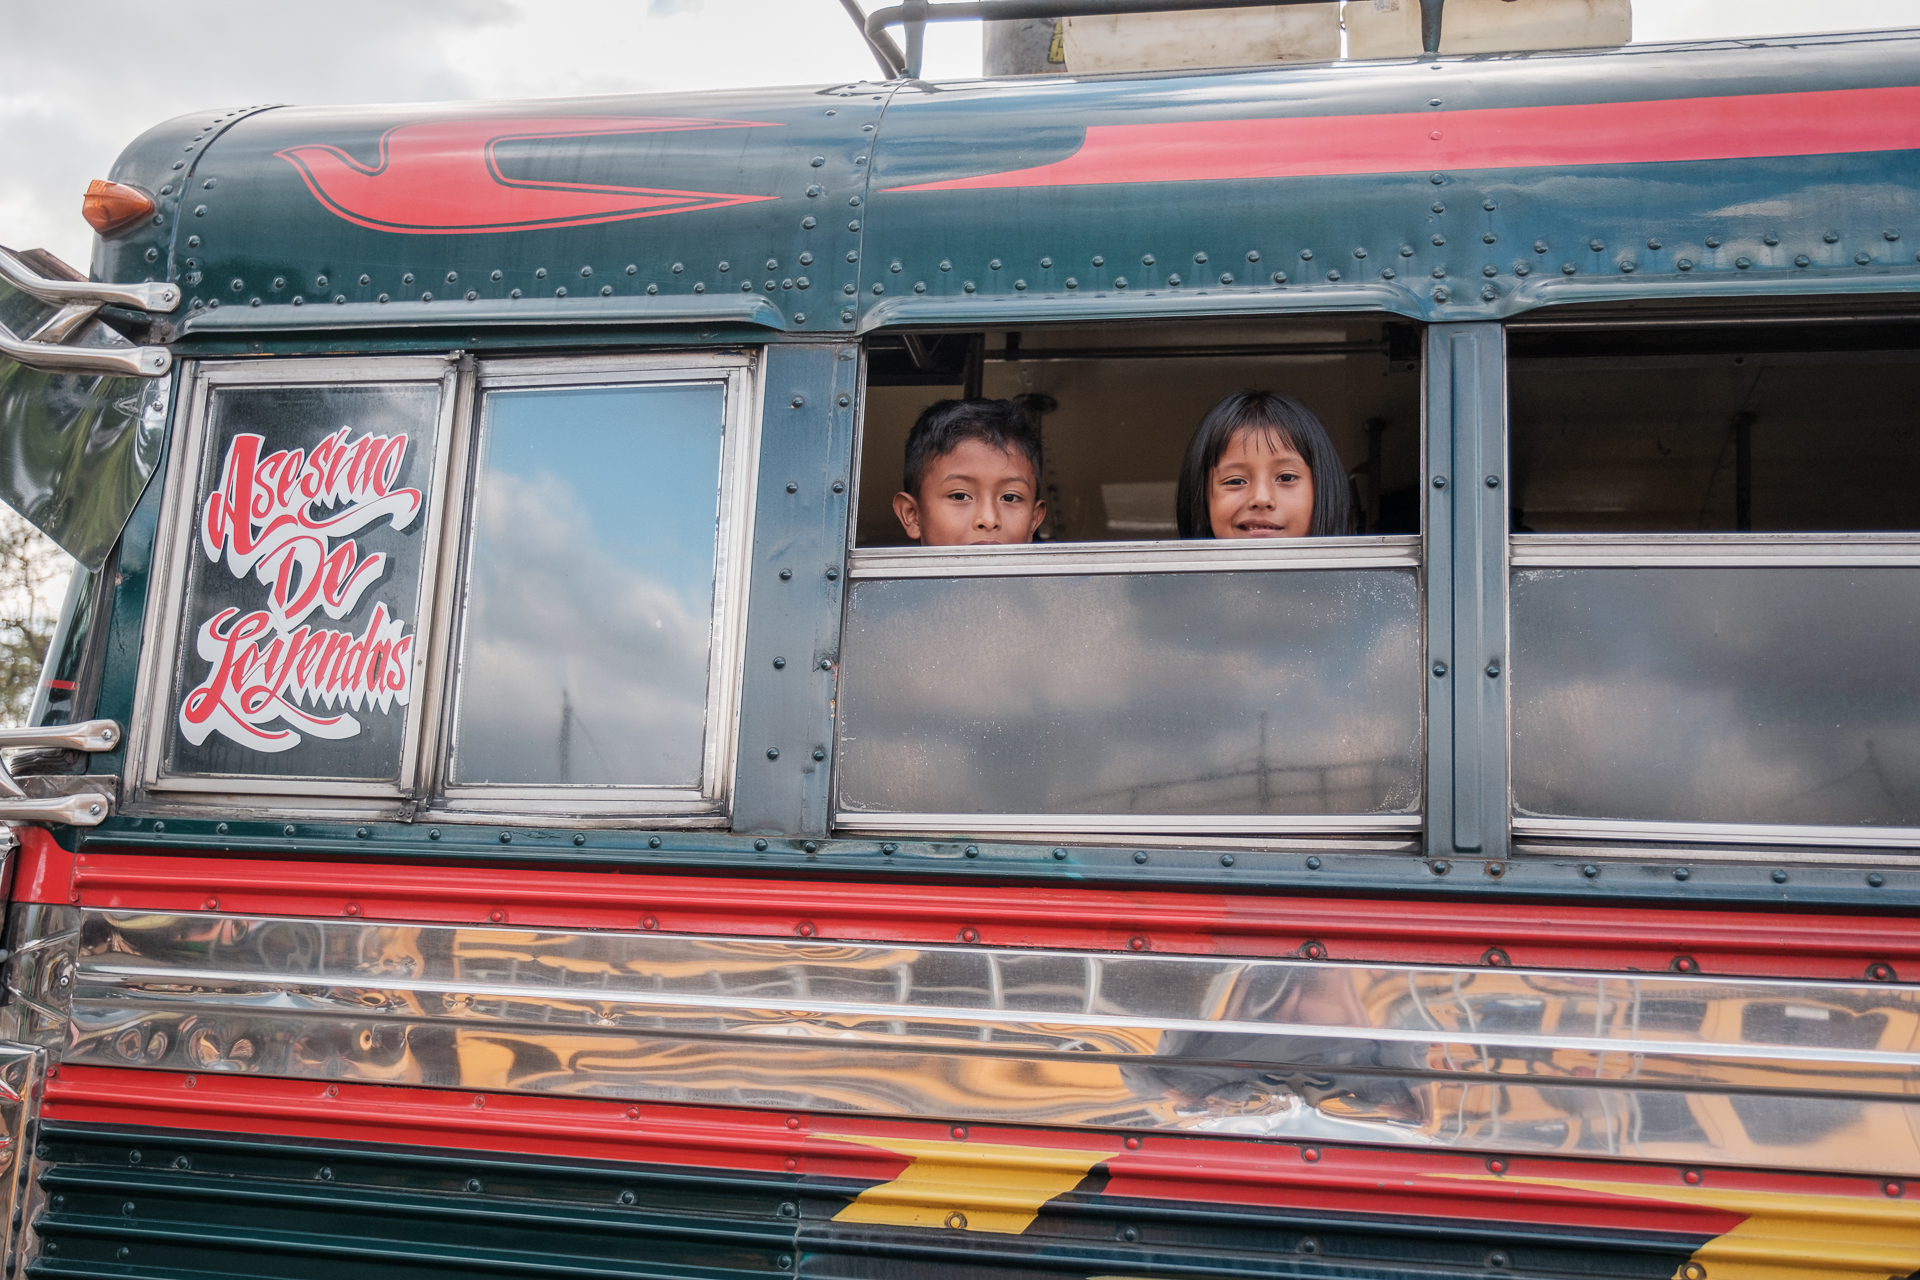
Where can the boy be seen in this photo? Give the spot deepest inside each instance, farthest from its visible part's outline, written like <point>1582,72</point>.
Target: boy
<point>972,476</point>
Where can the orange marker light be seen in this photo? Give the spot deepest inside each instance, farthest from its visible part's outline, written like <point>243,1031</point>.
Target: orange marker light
<point>110,207</point>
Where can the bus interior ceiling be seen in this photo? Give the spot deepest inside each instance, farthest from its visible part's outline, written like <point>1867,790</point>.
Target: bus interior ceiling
<point>1118,403</point>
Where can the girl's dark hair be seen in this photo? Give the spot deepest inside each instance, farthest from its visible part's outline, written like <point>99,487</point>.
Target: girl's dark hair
<point>945,424</point>
<point>1283,420</point>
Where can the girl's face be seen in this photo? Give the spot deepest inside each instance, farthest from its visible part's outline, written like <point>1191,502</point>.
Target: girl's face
<point>1260,488</point>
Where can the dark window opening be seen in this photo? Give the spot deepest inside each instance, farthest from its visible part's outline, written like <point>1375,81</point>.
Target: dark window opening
<point>1117,404</point>
<point>1724,425</point>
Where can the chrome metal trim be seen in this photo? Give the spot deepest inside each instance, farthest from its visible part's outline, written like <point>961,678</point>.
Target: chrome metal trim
<point>23,1070</point>
<point>1712,551</point>
<point>61,324</point>
<point>1171,556</point>
<point>1756,833</point>
<point>1174,824</point>
<point>130,361</point>
<point>82,809</point>
<point>88,735</point>
<point>1672,1067</point>
<point>151,296</point>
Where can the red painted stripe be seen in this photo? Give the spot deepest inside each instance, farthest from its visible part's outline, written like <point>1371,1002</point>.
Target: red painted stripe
<point>1780,944</point>
<point>65,685</point>
<point>1736,127</point>
<point>1226,1171</point>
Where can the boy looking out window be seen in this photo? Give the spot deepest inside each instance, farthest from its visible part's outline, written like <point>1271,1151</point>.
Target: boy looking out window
<point>972,476</point>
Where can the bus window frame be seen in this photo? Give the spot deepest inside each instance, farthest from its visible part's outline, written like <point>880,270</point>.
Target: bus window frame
<point>1156,556</point>
<point>710,803</point>
<point>173,551</point>
<point>1677,550</point>
<point>426,735</point>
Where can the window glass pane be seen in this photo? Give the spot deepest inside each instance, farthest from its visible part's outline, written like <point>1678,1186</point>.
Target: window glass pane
<point>302,599</point>
<point>590,587</point>
<point>1763,695</point>
<point>1230,693</point>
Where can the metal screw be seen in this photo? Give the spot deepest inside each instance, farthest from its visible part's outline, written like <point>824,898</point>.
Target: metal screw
<point>819,753</point>
<point>1692,1177</point>
<point>1779,876</point>
<point>1493,670</point>
<point>1590,871</point>
<point>760,846</point>
<point>1140,855</point>
<point>1875,880</point>
<point>653,842</point>
<point>1226,859</point>
<point>826,664</point>
<point>1129,1234</point>
<point>889,849</point>
<point>1059,855</point>
<point>1439,669</point>
<point>973,851</point>
<point>1313,864</point>
<point>1440,866</point>
<point>786,575</point>
<point>779,664</point>
<point>1493,482</point>
<point>773,753</point>
<point>1681,873</point>
<point>833,575</point>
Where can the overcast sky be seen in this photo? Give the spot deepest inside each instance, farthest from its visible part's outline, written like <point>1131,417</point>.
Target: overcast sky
<point>84,77</point>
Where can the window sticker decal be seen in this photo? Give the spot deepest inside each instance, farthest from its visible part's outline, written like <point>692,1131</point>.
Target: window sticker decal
<point>303,588</point>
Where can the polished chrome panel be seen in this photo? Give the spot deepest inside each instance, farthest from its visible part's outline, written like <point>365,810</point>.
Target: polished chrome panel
<point>22,1084</point>
<point>1752,833</point>
<point>152,296</point>
<point>1133,823</point>
<point>1172,556</point>
<point>1648,1066</point>
<point>1712,551</point>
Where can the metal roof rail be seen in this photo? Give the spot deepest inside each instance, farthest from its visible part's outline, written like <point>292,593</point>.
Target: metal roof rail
<point>78,300</point>
<point>914,15</point>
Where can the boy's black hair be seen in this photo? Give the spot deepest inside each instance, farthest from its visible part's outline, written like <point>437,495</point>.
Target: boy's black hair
<point>1283,420</point>
<point>945,424</point>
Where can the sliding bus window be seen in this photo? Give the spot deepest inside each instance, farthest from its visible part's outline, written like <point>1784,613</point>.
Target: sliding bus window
<point>1716,581</point>
<point>1111,677</point>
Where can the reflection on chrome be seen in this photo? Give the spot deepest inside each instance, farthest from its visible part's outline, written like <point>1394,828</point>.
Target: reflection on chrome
<point>1640,1066</point>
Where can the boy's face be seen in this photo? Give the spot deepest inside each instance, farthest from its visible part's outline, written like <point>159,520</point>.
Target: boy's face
<point>976,495</point>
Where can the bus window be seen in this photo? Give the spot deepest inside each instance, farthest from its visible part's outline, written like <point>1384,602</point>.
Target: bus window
<point>587,593</point>
<point>1111,677</point>
<point>1716,581</point>
<point>302,523</point>
<point>563,641</point>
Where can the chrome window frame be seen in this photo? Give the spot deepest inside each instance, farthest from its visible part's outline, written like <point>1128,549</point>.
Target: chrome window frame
<point>173,547</point>
<point>1709,551</point>
<point>1166,556</point>
<point>708,803</point>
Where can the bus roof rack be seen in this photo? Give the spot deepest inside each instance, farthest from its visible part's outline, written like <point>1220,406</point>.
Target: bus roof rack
<point>914,15</point>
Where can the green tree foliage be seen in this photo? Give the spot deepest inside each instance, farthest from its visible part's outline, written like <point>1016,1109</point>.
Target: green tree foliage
<point>33,577</point>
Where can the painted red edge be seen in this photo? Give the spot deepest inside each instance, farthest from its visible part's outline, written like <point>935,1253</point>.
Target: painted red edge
<point>1225,1171</point>
<point>1800,944</point>
<point>1734,127</point>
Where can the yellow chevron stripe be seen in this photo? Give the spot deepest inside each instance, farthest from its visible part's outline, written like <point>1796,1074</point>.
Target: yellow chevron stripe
<point>970,1186</point>
<point>1785,1236</point>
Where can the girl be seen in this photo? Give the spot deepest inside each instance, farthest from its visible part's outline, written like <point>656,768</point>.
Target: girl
<point>1261,466</point>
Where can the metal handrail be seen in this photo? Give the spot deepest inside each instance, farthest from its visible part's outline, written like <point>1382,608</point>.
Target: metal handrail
<point>915,14</point>
<point>85,809</point>
<point>151,296</point>
<point>78,300</point>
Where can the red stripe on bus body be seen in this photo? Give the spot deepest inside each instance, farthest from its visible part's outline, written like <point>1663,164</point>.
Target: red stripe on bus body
<point>1460,931</point>
<point>1734,127</point>
<point>1184,1169</point>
